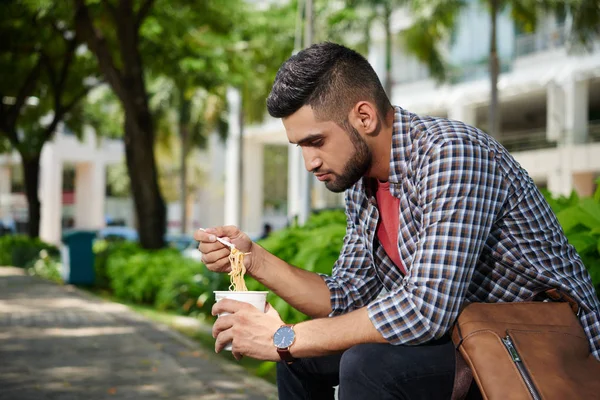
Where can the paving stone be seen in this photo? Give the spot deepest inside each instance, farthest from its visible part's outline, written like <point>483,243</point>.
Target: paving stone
<point>60,343</point>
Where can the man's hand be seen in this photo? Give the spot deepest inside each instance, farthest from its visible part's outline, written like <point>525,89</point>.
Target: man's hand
<point>215,254</point>
<point>249,330</point>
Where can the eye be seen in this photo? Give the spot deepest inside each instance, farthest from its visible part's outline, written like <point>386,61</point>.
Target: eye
<point>316,143</point>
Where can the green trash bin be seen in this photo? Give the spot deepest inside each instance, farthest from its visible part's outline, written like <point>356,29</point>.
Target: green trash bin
<point>77,257</point>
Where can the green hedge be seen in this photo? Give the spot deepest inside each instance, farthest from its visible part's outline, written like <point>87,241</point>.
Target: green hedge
<point>168,281</point>
<point>580,219</point>
<point>161,278</point>
<point>314,247</point>
<point>21,250</point>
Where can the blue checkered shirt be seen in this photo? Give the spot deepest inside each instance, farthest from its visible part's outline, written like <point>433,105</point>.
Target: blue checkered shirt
<point>472,227</point>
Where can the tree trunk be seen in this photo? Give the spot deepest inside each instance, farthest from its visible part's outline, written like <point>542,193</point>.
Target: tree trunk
<point>388,53</point>
<point>31,173</point>
<point>128,84</point>
<point>184,133</point>
<point>494,110</point>
<point>149,204</point>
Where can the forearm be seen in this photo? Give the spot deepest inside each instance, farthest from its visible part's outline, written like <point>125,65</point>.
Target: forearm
<point>304,290</point>
<point>325,336</point>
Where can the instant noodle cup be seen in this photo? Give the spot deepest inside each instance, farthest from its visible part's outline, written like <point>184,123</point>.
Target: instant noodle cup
<point>257,298</point>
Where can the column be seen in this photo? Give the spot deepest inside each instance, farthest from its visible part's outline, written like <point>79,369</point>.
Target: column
<point>232,158</point>
<point>463,112</point>
<point>5,189</point>
<point>5,180</point>
<point>295,167</point>
<point>567,121</point>
<point>50,194</point>
<point>576,111</point>
<point>555,112</point>
<point>90,195</point>
<point>253,188</point>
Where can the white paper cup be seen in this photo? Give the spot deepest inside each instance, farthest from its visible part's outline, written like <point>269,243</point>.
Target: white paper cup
<point>257,298</point>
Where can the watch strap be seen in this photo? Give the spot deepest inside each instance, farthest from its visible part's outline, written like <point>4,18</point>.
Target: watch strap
<point>284,353</point>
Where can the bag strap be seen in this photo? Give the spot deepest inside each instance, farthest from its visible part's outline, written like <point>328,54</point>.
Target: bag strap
<point>555,295</point>
<point>463,378</point>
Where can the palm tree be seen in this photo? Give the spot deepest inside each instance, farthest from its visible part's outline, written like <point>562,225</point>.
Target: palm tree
<point>435,19</point>
<point>190,113</point>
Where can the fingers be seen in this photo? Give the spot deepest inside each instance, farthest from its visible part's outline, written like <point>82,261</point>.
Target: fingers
<point>223,340</point>
<point>216,260</point>
<point>222,324</point>
<point>231,306</point>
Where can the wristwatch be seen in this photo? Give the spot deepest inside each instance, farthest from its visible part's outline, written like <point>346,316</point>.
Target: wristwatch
<point>283,339</point>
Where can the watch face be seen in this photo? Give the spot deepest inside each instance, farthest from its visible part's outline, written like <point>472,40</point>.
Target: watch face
<point>284,337</point>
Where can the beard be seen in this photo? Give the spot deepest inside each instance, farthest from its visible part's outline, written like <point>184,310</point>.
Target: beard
<point>356,167</point>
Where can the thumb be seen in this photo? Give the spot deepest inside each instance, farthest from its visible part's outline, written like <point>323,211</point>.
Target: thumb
<point>270,310</point>
<point>229,231</point>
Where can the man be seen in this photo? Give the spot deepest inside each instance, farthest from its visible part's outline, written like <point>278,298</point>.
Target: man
<point>438,214</point>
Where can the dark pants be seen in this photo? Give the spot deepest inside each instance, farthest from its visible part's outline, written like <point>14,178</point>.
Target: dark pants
<point>373,371</point>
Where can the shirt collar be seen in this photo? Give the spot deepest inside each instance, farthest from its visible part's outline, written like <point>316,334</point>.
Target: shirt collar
<point>399,156</point>
<point>401,145</point>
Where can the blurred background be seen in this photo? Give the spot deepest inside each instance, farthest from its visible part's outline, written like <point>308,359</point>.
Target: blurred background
<point>127,124</point>
<point>150,115</point>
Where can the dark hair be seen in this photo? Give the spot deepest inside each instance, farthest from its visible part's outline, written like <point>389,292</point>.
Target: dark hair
<point>330,78</point>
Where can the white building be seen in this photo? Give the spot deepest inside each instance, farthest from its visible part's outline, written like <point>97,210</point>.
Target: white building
<point>89,157</point>
<point>549,108</point>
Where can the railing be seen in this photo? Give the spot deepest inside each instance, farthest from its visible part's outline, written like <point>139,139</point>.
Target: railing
<point>477,71</point>
<point>540,41</point>
<point>535,139</point>
<point>594,131</point>
<point>523,140</point>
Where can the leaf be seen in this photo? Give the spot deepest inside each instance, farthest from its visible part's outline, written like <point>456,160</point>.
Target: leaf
<point>583,242</point>
<point>592,208</point>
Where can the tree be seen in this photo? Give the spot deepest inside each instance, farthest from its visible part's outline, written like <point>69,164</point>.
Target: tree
<point>132,39</point>
<point>44,77</point>
<point>435,19</point>
<point>112,32</point>
<point>190,113</point>
<point>381,10</point>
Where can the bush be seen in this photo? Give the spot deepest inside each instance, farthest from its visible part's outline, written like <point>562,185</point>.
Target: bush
<point>162,278</point>
<point>580,220</point>
<point>314,247</point>
<point>103,249</point>
<point>46,267</point>
<point>21,250</point>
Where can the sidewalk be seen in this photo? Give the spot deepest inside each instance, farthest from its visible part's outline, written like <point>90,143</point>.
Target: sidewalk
<point>59,343</point>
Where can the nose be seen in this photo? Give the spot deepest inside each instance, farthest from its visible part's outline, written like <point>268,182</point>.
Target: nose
<point>311,160</point>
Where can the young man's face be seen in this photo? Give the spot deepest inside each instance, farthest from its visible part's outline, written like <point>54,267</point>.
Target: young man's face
<point>337,157</point>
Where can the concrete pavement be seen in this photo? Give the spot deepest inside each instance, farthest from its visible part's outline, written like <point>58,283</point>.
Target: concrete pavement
<point>59,343</point>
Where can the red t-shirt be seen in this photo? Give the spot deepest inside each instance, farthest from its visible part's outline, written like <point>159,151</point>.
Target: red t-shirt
<point>387,229</point>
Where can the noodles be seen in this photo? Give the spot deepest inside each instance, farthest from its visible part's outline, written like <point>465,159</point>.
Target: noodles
<point>238,269</point>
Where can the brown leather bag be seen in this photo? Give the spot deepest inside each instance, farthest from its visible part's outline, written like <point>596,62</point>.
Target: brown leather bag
<point>525,350</point>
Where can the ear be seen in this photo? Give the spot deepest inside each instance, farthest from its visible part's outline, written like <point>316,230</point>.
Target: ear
<point>364,118</point>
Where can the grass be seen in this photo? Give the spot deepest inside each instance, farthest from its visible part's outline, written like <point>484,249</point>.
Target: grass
<point>202,335</point>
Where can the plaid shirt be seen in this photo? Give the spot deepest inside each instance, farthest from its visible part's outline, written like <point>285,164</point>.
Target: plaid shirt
<point>473,227</point>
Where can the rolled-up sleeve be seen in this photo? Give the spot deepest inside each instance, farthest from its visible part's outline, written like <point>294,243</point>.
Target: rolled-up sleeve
<point>458,184</point>
<point>353,283</point>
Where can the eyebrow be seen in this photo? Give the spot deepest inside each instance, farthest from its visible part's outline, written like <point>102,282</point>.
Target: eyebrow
<point>308,139</point>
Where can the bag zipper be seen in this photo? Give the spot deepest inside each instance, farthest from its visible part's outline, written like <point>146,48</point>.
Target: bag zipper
<point>508,343</point>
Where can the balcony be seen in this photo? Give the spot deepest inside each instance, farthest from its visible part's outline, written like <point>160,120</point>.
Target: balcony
<point>523,140</point>
<point>594,131</point>
<point>535,139</point>
<point>536,42</point>
<point>476,71</point>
